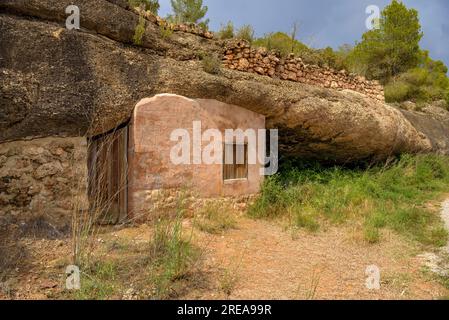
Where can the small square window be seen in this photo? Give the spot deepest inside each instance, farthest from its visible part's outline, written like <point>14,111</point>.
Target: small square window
<point>235,161</point>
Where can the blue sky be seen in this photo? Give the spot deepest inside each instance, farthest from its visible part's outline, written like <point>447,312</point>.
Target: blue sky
<point>325,23</point>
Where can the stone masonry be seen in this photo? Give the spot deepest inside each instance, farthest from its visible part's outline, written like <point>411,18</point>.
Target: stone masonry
<point>239,55</point>
<point>43,177</point>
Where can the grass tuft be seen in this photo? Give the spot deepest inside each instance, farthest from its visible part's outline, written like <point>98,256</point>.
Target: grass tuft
<point>172,257</point>
<point>215,218</point>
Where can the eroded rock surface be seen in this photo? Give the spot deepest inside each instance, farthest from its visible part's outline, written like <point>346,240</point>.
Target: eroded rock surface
<point>71,83</point>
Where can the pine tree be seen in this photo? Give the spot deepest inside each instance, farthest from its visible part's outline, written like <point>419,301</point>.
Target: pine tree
<point>394,47</point>
<point>186,11</point>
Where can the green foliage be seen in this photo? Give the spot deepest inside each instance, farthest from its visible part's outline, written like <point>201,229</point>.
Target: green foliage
<point>98,283</point>
<point>394,47</point>
<point>382,197</point>
<point>397,91</point>
<point>325,58</point>
<point>166,31</point>
<point>281,42</point>
<point>246,32</point>
<point>139,31</point>
<point>189,11</point>
<point>171,256</point>
<point>285,45</point>
<point>211,63</point>
<point>427,82</point>
<point>148,5</point>
<point>226,31</point>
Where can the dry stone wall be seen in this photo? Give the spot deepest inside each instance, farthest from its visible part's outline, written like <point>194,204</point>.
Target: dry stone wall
<point>181,27</point>
<point>173,202</point>
<point>239,55</point>
<point>43,178</point>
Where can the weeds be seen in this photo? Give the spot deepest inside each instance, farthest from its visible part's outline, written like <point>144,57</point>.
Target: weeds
<point>171,256</point>
<point>98,282</point>
<point>309,290</point>
<point>390,196</point>
<point>211,63</point>
<point>101,207</point>
<point>166,31</point>
<point>139,31</point>
<point>215,218</point>
<point>12,252</point>
<point>312,289</point>
<point>227,282</point>
<point>226,31</point>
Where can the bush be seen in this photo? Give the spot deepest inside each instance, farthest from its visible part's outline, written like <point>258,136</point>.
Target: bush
<point>422,84</point>
<point>285,45</point>
<point>139,31</point>
<point>211,63</point>
<point>397,91</point>
<point>246,33</point>
<point>226,31</point>
<point>280,42</point>
<point>148,5</point>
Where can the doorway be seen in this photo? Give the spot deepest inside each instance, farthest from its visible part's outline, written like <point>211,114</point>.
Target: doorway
<point>108,176</point>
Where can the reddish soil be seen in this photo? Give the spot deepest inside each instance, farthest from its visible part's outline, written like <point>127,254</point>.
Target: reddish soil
<point>259,260</point>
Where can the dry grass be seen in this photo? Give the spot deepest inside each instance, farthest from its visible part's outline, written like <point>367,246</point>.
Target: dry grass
<point>227,281</point>
<point>215,218</point>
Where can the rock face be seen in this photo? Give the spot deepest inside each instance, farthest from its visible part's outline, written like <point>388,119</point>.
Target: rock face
<point>72,83</point>
<point>434,123</point>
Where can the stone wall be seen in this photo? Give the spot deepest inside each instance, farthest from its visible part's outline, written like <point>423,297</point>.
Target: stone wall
<point>182,27</point>
<point>43,177</point>
<point>239,55</point>
<point>173,202</point>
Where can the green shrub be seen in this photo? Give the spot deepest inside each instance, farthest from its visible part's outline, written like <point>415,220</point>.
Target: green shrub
<point>211,63</point>
<point>280,42</point>
<point>171,255</point>
<point>148,5</point>
<point>226,31</point>
<point>98,281</point>
<point>139,31</point>
<point>419,85</point>
<point>166,31</point>
<point>397,91</point>
<point>246,32</point>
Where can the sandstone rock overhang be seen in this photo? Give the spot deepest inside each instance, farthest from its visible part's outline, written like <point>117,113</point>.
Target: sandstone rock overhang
<point>56,82</point>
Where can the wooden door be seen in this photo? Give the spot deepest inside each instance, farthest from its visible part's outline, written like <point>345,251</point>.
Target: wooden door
<point>108,172</point>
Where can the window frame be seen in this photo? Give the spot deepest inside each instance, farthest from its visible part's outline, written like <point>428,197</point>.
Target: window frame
<point>234,165</point>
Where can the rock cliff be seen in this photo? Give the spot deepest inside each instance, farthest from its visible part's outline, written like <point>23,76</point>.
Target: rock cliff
<point>59,82</point>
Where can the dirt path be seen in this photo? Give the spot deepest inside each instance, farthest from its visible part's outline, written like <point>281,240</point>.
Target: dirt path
<point>438,261</point>
<point>445,217</point>
<point>261,260</point>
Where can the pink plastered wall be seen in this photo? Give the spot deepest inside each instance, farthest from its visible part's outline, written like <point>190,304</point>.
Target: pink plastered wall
<point>150,165</point>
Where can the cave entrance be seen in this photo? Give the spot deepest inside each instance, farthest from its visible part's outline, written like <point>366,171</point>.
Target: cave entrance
<point>108,172</point>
